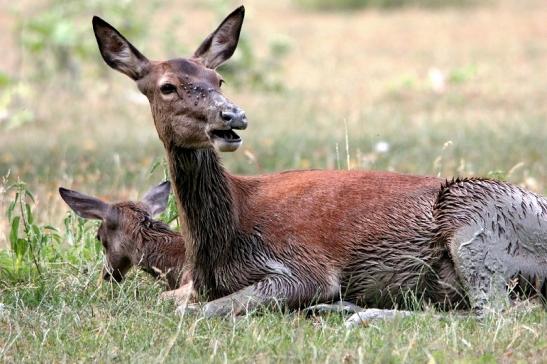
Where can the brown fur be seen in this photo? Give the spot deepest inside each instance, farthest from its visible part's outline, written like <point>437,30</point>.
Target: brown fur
<point>375,238</point>
<point>131,237</point>
<point>142,242</point>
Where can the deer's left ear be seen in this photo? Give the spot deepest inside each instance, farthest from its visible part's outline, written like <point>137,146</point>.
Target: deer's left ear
<point>156,199</point>
<point>85,206</point>
<point>221,44</point>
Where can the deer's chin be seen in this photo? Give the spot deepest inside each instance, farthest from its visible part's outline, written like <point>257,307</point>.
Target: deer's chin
<point>226,146</point>
<point>225,140</point>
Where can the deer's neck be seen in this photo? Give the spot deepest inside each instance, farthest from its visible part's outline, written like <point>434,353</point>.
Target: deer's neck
<point>206,207</point>
<point>161,252</point>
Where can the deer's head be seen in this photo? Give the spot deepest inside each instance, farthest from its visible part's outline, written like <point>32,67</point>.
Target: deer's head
<point>121,224</point>
<point>187,103</point>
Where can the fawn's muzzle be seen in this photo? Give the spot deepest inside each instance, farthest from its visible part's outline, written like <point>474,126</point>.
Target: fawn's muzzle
<point>115,275</point>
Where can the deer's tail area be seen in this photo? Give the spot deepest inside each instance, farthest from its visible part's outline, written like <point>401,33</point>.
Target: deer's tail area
<point>496,234</point>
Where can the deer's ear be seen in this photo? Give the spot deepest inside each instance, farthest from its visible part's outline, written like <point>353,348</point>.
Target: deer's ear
<point>85,206</point>
<point>156,199</point>
<point>117,52</point>
<point>221,44</point>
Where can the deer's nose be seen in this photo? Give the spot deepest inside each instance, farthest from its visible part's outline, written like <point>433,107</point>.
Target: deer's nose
<point>115,276</point>
<point>236,119</point>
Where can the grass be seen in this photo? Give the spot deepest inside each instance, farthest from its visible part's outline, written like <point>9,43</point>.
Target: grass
<point>453,91</point>
<point>70,317</point>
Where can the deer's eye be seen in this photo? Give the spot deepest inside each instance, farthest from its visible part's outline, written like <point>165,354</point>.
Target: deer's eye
<point>98,237</point>
<point>221,82</point>
<point>167,88</point>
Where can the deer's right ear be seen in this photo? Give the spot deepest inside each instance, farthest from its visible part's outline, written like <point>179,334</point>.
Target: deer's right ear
<point>117,52</point>
<point>85,206</point>
<point>156,199</point>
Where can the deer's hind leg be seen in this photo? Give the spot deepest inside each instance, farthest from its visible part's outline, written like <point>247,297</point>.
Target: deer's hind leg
<point>495,232</point>
<point>477,261</point>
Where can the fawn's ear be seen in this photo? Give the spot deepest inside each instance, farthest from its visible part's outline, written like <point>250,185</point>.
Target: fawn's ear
<point>117,52</point>
<point>156,199</point>
<point>221,44</point>
<point>85,206</point>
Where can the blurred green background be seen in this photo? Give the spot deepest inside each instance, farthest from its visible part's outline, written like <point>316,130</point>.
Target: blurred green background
<point>449,88</point>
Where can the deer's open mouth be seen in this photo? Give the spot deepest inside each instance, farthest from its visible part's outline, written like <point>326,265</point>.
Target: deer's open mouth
<point>226,140</point>
<point>227,135</point>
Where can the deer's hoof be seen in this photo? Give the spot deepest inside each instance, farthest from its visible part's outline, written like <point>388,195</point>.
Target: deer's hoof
<point>222,308</point>
<point>167,296</point>
<point>364,317</point>
<point>214,310</point>
<point>188,309</point>
<point>340,307</point>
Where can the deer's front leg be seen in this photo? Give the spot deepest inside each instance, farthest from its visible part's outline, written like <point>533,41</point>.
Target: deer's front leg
<point>184,294</point>
<point>276,290</point>
<point>238,303</point>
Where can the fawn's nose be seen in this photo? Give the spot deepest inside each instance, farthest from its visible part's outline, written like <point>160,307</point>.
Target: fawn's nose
<point>236,119</point>
<point>115,276</point>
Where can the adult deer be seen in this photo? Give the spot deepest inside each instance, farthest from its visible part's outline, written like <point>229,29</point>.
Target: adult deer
<point>314,236</point>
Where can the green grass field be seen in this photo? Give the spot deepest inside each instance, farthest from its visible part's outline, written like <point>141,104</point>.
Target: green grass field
<point>448,91</point>
<point>68,317</point>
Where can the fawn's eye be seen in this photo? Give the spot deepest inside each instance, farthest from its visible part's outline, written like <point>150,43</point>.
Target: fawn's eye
<point>98,237</point>
<point>221,82</point>
<point>167,88</point>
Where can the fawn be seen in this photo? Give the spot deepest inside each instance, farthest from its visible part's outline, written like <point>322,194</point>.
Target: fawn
<point>131,237</point>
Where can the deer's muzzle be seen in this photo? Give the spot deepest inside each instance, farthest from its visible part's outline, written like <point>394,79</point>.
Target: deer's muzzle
<point>235,119</point>
<point>223,136</point>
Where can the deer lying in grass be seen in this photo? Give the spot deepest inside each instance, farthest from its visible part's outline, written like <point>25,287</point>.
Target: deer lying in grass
<point>373,238</point>
<point>131,237</point>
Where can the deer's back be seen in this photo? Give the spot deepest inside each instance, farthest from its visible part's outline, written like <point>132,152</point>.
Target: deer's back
<point>335,210</point>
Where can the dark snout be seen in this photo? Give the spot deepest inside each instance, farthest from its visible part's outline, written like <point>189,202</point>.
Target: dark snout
<point>115,275</point>
<point>235,118</point>
<point>229,118</point>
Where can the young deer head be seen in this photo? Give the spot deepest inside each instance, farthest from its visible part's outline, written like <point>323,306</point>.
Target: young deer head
<point>126,227</point>
<point>187,104</point>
